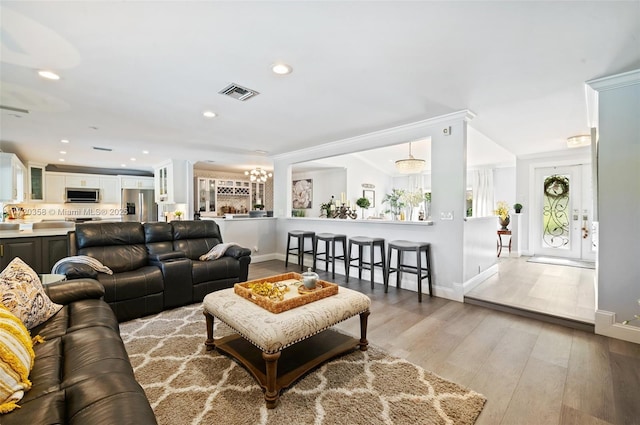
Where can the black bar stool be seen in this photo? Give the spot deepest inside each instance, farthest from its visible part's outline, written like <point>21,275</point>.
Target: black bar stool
<point>329,255</point>
<point>407,246</point>
<point>299,250</point>
<point>361,242</point>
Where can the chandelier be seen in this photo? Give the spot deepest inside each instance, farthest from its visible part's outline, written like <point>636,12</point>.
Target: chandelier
<point>258,174</point>
<point>410,165</point>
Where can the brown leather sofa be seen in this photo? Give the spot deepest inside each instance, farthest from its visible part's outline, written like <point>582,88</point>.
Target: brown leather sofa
<point>155,265</point>
<point>81,374</point>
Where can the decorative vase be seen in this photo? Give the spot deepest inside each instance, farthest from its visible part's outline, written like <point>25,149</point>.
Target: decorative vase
<point>504,222</point>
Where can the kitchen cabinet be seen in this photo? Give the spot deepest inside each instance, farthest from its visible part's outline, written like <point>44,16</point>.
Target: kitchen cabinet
<point>136,182</point>
<point>206,195</point>
<point>12,178</point>
<point>36,182</point>
<point>258,192</point>
<point>54,192</point>
<point>28,249</point>
<point>167,177</point>
<point>109,190</point>
<point>88,181</point>
<point>54,248</point>
<point>40,253</point>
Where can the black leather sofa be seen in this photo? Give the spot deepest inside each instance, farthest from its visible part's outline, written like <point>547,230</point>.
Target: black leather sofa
<point>155,265</point>
<point>81,374</point>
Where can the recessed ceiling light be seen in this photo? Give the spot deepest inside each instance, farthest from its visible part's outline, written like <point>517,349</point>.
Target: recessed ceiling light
<point>123,165</point>
<point>49,75</point>
<point>133,159</point>
<point>61,159</point>
<point>281,68</point>
<point>209,114</point>
<point>63,152</point>
<point>145,152</point>
<point>64,141</point>
<point>260,151</point>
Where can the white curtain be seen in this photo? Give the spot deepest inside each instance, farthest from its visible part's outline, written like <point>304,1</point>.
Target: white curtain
<point>482,186</point>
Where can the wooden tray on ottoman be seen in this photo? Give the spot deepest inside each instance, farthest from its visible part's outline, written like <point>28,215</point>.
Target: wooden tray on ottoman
<point>292,299</point>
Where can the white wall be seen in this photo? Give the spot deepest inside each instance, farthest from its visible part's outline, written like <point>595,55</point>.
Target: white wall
<point>504,186</point>
<point>618,161</point>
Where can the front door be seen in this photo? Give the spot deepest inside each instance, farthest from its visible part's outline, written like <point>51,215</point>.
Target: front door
<point>563,212</point>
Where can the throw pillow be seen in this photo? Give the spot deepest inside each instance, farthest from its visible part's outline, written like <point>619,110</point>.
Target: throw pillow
<point>16,360</point>
<point>216,252</point>
<point>22,293</point>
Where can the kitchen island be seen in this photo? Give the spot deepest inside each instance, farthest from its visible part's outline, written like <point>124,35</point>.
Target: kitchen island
<point>40,248</point>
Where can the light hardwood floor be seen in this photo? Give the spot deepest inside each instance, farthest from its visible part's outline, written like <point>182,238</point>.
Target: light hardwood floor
<point>556,290</point>
<point>531,372</point>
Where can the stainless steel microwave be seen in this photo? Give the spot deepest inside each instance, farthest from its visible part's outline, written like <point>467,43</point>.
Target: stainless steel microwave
<point>82,195</point>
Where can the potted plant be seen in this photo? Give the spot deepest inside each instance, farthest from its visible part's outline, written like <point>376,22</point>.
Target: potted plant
<point>395,199</point>
<point>517,207</point>
<point>412,200</point>
<point>178,215</point>
<point>363,203</point>
<point>502,211</point>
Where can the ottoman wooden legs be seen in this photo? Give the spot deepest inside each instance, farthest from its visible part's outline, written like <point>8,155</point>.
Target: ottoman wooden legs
<point>295,360</point>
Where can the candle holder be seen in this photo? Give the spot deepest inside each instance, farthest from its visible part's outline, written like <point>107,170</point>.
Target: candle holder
<point>344,211</point>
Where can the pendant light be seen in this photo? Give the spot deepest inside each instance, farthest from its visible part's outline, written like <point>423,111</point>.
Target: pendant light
<point>410,165</point>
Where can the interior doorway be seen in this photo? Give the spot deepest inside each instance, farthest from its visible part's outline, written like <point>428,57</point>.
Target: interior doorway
<point>563,211</point>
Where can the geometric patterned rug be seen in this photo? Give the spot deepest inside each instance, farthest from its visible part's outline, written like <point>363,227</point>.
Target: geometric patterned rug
<point>186,384</point>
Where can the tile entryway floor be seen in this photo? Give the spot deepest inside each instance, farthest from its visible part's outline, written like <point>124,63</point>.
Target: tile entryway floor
<point>562,291</point>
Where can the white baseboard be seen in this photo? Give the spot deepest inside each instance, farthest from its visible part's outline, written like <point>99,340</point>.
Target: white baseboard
<point>606,325</point>
<point>264,257</point>
<point>479,278</point>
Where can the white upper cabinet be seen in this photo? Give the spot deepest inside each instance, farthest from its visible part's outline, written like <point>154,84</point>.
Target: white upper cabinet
<point>89,181</point>
<point>110,189</point>
<point>12,178</point>
<point>136,182</point>
<point>54,188</point>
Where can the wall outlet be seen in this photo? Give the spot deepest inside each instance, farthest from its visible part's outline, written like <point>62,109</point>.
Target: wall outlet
<point>446,215</point>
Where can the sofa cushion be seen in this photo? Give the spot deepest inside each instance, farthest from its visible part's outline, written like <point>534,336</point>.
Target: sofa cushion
<point>119,246</point>
<point>222,268</point>
<point>132,284</point>
<point>16,360</point>
<point>195,238</point>
<point>23,294</point>
<point>158,237</point>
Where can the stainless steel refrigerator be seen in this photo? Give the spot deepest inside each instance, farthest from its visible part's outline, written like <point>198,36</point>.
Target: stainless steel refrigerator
<point>139,205</point>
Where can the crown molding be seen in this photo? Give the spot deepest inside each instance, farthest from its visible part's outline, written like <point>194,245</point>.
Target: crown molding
<point>376,139</point>
<point>617,81</point>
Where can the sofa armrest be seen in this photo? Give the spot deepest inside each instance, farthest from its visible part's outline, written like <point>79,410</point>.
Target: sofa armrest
<point>176,274</point>
<point>166,256</point>
<point>67,291</point>
<point>236,251</point>
<point>77,271</point>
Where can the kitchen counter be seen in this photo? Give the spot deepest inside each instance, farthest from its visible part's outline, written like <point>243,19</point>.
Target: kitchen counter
<point>28,232</point>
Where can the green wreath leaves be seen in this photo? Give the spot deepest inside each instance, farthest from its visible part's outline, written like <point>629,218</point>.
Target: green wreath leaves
<point>556,186</point>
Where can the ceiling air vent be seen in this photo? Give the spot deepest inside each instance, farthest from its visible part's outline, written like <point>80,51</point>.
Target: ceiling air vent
<point>238,92</point>
<point>98,148</point>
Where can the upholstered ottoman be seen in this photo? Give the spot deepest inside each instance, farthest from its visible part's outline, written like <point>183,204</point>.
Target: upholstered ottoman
<point>291,343</point>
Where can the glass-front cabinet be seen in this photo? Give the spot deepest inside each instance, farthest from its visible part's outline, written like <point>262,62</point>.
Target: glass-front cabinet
<point>206,195</point>
<point>217,197</point>
<point>36,182</point>
<point>257,195</point>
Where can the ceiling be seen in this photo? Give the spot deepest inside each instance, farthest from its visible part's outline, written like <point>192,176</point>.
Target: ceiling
<point>136,76</point>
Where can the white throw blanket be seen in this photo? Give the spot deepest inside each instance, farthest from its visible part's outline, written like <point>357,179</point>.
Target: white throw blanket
<point>83,259</point>
<point>217,251</point>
